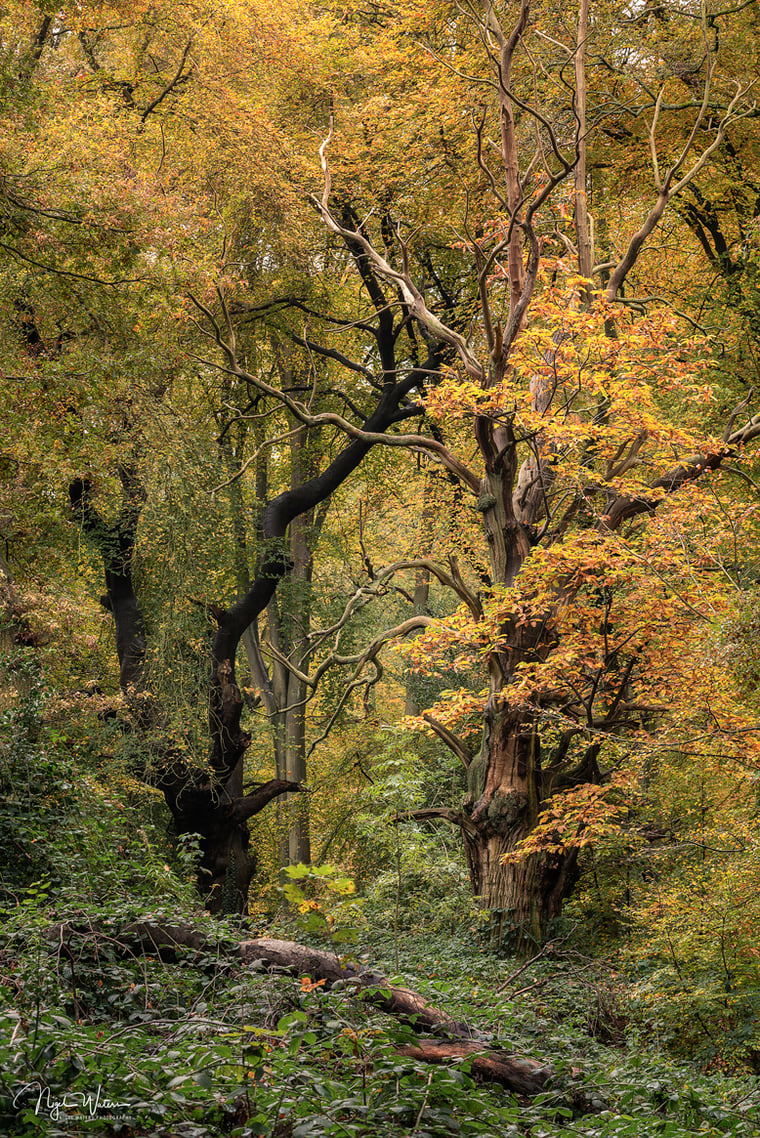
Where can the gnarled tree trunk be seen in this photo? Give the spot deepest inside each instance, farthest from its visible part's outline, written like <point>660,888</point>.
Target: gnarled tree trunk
<point>210,803</point>
<point>505,797</point>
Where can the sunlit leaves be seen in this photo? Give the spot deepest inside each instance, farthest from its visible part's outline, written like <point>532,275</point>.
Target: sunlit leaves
<point>582,816</point>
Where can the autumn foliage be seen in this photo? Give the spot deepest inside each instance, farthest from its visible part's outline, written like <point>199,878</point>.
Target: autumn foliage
<point>389,372</point>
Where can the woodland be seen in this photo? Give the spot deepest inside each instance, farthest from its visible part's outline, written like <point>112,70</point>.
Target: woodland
<point>380,568</point>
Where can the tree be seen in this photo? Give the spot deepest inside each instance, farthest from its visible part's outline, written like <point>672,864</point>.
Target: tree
<point>567,429</point>
<point>389,404</point>
<point>489,341</point>
<point>142,73</point>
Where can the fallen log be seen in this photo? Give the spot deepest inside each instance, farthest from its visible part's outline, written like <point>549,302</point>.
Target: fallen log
<point>524,1076</point>
<point>372,987</point>
<point>520,1075</point>
<point>456,1040</point>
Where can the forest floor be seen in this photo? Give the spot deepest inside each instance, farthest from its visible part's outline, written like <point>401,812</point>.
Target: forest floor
<point>96,1040</point>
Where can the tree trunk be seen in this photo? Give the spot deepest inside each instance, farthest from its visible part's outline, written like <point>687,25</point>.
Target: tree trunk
<point>215,808</point>
<point>299,837</point>
<point>504,800</point>
<point>289,625</point>
<point>421,593</point>
<point>456,1041</point>
<point>505,782</point>
<point>281,693</point>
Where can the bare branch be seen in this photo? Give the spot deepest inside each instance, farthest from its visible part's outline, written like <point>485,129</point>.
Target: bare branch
<point>452,741</point>
<point>244,808</point>
<point>742,406</point>
<point>668,190</point>
<point>440,813</point>
<point>267,443</point>
<point>330,418</point>
<point>332,354</point>
<point>615,468</point>
<point>174,82</point>
<point>412,297</point>
<point>453,581</point>
<point>583,235</point>
<point>360,659</point>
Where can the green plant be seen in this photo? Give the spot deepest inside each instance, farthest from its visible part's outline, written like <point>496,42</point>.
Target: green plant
<point>327,906</point>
